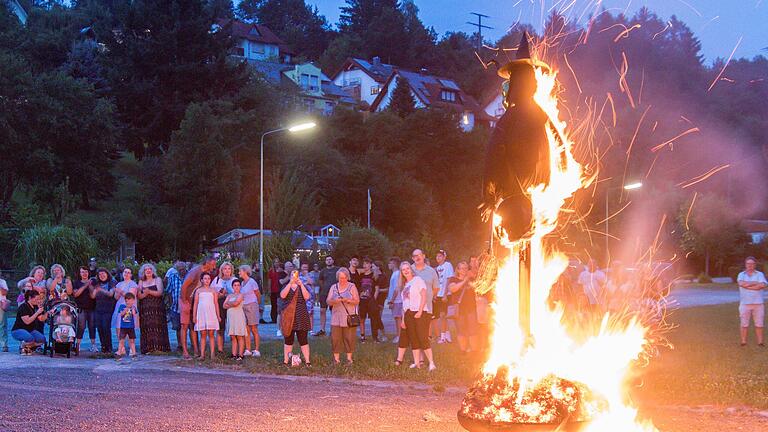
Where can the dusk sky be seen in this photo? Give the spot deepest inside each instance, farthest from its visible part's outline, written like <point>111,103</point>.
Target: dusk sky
<point>718,24</point>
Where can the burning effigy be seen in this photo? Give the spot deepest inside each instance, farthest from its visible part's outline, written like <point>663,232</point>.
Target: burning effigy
<point>539,376</point>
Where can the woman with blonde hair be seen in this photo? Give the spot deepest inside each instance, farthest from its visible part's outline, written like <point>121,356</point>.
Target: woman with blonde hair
<point>222,283</point>
<point>58,286</point>
<point>36,279</point>
<point>415,323</point>
<point>152,321</point>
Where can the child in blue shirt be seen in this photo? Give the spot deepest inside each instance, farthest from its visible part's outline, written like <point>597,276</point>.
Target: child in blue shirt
<point>127,314</point>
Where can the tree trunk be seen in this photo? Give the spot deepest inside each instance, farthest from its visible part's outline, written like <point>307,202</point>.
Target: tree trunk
<point>706,263</point>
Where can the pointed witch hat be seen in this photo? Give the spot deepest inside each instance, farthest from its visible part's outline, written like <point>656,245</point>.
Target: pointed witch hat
<point>523,60</point>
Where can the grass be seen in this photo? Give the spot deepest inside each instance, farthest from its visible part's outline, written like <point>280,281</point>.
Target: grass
<point>372,361</point>
<point>706,365</point>
<point>708,286</point>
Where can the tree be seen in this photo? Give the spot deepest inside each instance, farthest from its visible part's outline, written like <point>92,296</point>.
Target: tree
<point>301,26</point>
<point>711,230</point>
<point>291,201</point>
<point>402,102</point>
<point>202,182</point>
<point>358,241</point>
<point>162,57</point>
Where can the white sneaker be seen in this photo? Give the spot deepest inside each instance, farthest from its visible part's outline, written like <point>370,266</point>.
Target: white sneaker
<point>448,337</point>
<point>256,354</point>
<point>396,339</point>
<point>441,341</point>
<point>93,348</point>
<point>432,367</point>
<point>246,353</point>
<point>279,333</point>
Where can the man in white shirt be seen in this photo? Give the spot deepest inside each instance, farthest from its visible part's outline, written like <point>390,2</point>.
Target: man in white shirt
<point>444,271</point>
<point>752,284</point>
<point>424,271</point>
<point>592,281</point>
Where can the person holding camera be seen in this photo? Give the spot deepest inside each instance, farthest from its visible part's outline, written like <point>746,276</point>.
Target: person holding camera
<point>344,300</point>
<point>30,322</point>
<point>294,319</point>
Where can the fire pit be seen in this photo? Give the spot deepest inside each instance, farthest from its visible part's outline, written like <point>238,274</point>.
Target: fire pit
<point>500,403</point>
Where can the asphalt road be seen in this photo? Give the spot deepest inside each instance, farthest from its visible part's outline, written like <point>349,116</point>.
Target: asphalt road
<point>42,394</point>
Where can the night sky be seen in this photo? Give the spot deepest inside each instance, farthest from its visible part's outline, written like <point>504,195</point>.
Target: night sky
<point>717,23</point>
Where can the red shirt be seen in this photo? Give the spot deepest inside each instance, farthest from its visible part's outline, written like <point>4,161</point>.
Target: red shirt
<point>274,280</point>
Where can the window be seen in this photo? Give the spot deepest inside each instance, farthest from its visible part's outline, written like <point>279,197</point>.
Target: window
<point>375,89</point>
<point>309,104</point>
<point>257,48</point>
<point>238,51</point>
<point>465,118</point>
<point>328,109</point>
<point>305,81</point>
<point>314,82</point>
<point>448,95</point>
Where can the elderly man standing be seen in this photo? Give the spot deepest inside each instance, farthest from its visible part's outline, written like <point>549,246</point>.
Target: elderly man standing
<point>174,278</point>
<point>429,274</point>
<point>751,301</point>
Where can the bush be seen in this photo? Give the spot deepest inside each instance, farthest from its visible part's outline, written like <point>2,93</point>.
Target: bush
<point>704,278</point>
<point>46,245</point>
<point>358,241</point>
<point>276,247</point>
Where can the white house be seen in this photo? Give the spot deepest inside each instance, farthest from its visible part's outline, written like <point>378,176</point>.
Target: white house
<point>757,229</point>
<point>374,82</point>
<point>255,42</point>
<point>494,108</point>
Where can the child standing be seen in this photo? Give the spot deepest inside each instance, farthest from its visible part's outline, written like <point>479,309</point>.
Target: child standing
<point>127,314</point>
<point>206,313</point>
<point>233,303</point>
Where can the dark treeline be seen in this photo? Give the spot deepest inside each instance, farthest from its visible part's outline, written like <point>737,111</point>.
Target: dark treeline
<point>142,126</point>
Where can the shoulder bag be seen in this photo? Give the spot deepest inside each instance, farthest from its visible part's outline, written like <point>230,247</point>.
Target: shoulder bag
<point>288,314</point>
<point>353,320</point>
<point>453,310</point>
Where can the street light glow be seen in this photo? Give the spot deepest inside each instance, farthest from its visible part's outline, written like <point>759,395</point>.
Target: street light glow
<point>302,126</point>
<point>632,186</point>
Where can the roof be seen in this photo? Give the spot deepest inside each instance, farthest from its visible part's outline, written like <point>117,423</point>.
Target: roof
<point>755,225</point>
<point>376,70</point>
<point>273,72</point>
<point>428,89</point>
<point>334,91</point>
<point>312,228</point>
<point>254,32</point>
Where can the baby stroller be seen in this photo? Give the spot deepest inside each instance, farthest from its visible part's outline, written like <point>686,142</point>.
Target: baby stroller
<point>62,325</point>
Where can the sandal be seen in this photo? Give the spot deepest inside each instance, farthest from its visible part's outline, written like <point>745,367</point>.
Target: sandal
<point>398,362</point>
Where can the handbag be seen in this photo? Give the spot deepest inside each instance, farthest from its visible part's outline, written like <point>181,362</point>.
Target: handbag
<point>453,310</point>
<point>288,314</point>
<point>353,320</point>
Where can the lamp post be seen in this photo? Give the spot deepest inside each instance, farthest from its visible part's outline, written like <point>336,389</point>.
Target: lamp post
<point>626,187</point>
<point>295,128</point>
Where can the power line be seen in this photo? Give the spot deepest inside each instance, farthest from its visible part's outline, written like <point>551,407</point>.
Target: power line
<point>480,26</point>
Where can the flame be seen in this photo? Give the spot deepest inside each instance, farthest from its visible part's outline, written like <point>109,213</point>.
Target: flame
<point>601,361</point>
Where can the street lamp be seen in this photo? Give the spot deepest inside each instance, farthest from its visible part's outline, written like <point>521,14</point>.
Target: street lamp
<point>295,128</point>
<point>626,187</point>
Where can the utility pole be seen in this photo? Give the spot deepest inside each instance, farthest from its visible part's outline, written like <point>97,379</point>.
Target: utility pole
<point>480,27</point>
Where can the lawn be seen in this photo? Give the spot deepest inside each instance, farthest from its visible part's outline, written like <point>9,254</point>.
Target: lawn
<point>705,366</point>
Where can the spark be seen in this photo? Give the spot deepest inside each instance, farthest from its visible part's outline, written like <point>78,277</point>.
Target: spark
<point>575,78</point>
<point>692,8</point>
<point>717,78</point>
<point>625,33</point>
<point>667,27</point>
<point>614,214</point>
<point>660,146</point>
<point>704,176</point>
<point>690,209</point>
<point>609,98</point>
<point>652,165</point>
<point>623,86</point>
<point>684,118</point>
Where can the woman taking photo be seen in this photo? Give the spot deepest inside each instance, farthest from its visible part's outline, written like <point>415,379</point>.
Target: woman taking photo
<point>223,286</point>
<point>103,294</point>
<point>30,321</point>
<point>58,286</point>
<point>295,317</point>
<point>81,291</point>
<point>127,285</point>
<point>415,323</point>
<point>205,314</point>
<point>152,321</point>
<point>251,295</point>
<point>343,298</point>
<point>463,298</point>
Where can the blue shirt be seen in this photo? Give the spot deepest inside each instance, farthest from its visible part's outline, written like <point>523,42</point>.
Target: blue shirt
<point>127,317</point>
<point>747,296</point>
<point>174,288</point>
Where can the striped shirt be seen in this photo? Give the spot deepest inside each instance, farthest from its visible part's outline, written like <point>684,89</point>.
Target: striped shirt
<point>174,281</point>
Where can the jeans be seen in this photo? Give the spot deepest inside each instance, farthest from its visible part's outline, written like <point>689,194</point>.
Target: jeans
<point>104,327</point>
<point>27,336</point>
<point>86,318</point>
<point>3,330</point>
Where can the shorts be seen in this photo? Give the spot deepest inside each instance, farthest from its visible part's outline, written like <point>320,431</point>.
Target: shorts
<point>126,333</point>
<point>185,310</point>
<point>754,311</point>
<point>397,310</point>
<point>466,324</point>
<point>439,307</point>
<point>175,319</point>
<point>251,314</point>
